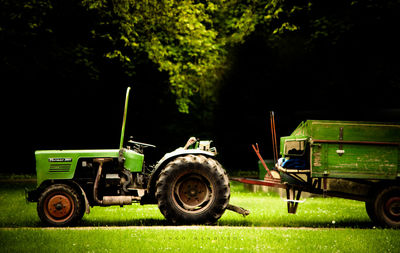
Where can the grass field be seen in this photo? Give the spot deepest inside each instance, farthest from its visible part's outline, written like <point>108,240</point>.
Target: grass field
<point>321,225</point>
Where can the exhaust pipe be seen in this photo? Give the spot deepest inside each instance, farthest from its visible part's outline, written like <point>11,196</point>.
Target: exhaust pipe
<point>100,161</point>
<point>117,200</point>
<point>109,200</point>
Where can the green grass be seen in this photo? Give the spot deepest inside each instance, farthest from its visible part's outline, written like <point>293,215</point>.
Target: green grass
<point>267,209</point>
<point>203,239</point>
<point>321,225</point>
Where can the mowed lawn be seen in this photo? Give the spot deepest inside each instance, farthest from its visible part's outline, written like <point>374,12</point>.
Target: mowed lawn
<point>320,225</point>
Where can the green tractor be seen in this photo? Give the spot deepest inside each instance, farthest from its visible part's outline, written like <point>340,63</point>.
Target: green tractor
<point>188,184</point>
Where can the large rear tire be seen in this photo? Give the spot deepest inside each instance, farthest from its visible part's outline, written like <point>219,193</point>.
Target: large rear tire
<point>193,189</point>
<point>60,205</point>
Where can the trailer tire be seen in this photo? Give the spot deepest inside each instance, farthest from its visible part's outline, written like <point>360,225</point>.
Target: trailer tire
<point>387,207</point>
<point>193,189</point>
<point>369,207</point>
<point>60,205</point>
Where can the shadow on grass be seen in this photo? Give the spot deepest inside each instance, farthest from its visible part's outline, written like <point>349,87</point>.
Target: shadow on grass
<point>149,222</point>
<point>299,224</point>
<point>134,222</point>
<point>97,223</point>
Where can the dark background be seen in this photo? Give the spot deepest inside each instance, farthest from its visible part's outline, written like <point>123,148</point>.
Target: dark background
<point>51,101</point>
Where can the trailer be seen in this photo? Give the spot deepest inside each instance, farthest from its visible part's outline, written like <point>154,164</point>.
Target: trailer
<point>346,159</point>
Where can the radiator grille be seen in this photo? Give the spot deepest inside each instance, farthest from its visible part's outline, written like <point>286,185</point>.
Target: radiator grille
<point>59,167</point>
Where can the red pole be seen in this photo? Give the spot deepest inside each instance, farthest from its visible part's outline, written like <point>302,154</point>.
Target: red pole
<point>273,133</point>
<point>257,150</point>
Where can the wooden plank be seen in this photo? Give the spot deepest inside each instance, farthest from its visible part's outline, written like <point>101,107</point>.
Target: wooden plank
<point>355,161</point>
<point>353,131</point>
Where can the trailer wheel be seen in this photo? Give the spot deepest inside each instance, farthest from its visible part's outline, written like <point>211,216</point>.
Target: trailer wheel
<point>59,205</point>
<point>193,189</point>
<point>369,206</point>
<point>387,207</point>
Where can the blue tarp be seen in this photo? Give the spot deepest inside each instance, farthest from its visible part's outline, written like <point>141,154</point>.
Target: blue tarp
<point>294,163</point>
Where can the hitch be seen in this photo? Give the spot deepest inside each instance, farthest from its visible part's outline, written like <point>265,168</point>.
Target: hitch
<point>238,210</point>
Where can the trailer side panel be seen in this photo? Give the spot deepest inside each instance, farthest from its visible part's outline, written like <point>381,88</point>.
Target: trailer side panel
<point>363,161</point>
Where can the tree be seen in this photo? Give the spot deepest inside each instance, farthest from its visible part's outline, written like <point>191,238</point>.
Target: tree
<point>189,39</point>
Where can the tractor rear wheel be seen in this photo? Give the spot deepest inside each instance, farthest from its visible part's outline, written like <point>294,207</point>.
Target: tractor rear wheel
<point>59,205</point>
<point>193,189</point>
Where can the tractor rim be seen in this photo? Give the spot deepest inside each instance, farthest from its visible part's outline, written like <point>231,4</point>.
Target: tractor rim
<point>192,193</point>
<point>59,207</point>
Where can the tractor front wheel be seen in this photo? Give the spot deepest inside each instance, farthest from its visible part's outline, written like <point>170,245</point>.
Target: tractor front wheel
<point>193,189</point>
<point>59,205</point>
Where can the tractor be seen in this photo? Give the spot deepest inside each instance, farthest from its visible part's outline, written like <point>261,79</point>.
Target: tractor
<point>189,185</point>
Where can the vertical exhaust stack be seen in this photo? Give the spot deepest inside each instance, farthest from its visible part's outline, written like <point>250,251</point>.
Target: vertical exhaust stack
<point>121,143</point>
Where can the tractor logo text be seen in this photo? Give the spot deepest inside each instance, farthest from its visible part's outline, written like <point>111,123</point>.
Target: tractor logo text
<point>60,160</point>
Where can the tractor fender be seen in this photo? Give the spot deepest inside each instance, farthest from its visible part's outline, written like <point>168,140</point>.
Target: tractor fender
<point>180,152</point>
<point>166,159</point>
<point>87,206</point>
<point>33,196</point>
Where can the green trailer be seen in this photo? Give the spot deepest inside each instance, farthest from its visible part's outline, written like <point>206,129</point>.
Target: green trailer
<point>355,160</point>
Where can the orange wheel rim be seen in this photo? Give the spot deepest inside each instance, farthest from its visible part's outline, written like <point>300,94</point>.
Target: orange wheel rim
<point>193,192</point>
<point>59,207</point>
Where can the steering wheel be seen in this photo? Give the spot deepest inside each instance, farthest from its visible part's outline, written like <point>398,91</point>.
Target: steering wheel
<point>141,144</point>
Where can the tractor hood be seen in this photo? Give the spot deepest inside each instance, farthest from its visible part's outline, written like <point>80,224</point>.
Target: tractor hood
<point>61,164</point>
